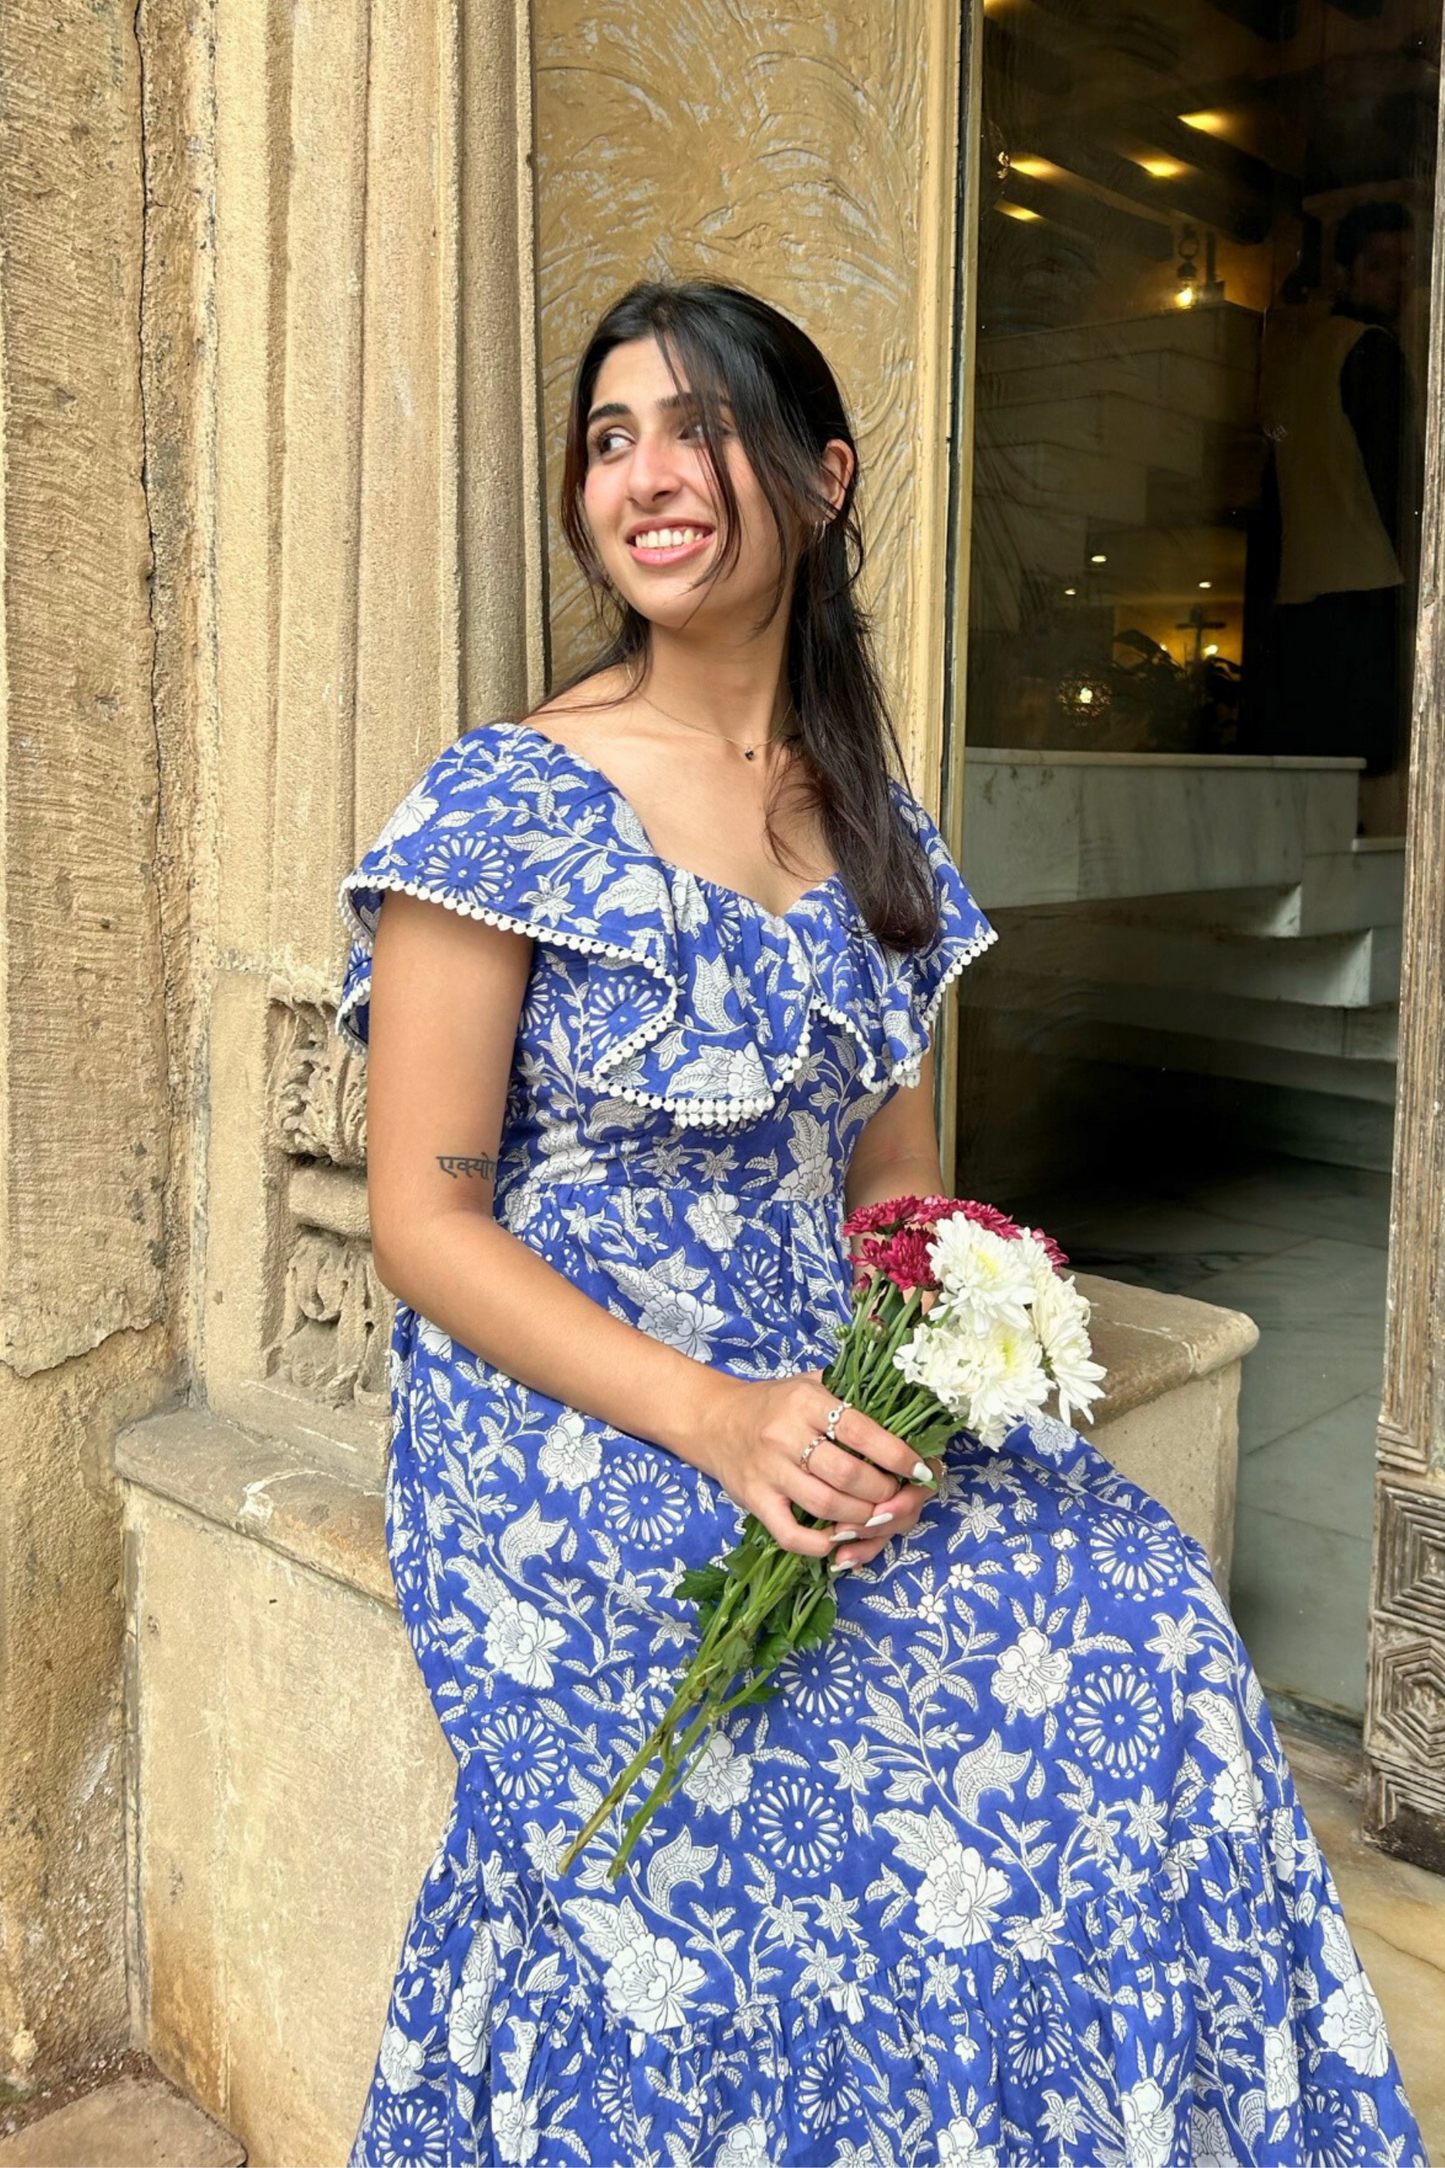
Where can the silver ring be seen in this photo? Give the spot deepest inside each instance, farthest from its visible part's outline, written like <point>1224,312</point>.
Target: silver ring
<point>835,1415</point>
<point>808,1451</point>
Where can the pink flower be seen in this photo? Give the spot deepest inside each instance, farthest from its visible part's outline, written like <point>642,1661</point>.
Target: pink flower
<point>906,1261</point>
<point>1050,1248</point>
<point>872,1219</point>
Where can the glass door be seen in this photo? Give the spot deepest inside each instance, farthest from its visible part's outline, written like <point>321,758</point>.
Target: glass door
<point>1184,682</point>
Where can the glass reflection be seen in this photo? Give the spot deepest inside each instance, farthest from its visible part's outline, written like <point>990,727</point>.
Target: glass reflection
<point>1193,569</point>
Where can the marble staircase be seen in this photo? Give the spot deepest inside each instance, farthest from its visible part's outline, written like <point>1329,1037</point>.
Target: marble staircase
<point>1218,917</point>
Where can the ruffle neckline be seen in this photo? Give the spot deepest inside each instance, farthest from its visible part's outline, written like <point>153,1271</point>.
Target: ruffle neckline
<point>708,1010</point>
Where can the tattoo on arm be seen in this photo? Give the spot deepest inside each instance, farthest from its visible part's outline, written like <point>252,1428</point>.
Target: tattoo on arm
<point>453,1164</point>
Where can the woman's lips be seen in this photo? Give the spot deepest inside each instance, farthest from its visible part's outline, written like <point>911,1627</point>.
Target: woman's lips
<point>669,554</point>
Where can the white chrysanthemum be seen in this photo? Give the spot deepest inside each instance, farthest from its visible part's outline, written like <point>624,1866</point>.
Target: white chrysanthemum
<point>1061,1316</point>
<point>983,1273</point>
<point>987,1377</point>
<point>1041,1269</point>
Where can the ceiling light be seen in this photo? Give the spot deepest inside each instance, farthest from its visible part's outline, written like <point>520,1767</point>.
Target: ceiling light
<point>1206,583</point>
<point>1213,648</point>
<point>1019,211</point>
<point>1161,169</point>
<point>1071,590</point>
<point>1207,123</point>
<point>1033,169</point>
<point>1098,558</point>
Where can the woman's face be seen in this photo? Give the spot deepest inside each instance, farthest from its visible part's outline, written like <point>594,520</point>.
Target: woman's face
<point>651,504</point>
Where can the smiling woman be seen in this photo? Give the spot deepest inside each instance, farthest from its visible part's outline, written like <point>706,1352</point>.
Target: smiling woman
<point>1011,1868</point>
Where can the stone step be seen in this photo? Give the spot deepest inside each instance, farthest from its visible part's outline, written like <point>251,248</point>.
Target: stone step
<point>1043,827</point>
<point>1206,390</point>
<point>1346,891</point>
<point>1303,1028</point>
<point>1227,334</point>
<point>1325,1075</point>
<point>1102,421</point>
<point>1096,486</point>
<point>1332,971</point>
<point>134,2121</point>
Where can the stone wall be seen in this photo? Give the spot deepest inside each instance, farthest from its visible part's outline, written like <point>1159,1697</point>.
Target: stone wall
<point>85,1113</point>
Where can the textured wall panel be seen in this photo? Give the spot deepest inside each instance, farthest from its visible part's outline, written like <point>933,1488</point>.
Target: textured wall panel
<point>804,152</point>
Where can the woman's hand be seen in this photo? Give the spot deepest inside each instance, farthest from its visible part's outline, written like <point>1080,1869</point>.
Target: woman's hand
<point>762,1430</point>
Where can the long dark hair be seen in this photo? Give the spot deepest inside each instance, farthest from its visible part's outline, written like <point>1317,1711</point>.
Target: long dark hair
<point>729,347</point>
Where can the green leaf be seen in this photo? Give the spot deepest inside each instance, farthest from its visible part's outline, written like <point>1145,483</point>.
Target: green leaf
<point>930,1443</point>
<point>701,1584</point>
<point>770,1650</point>
<point>818,1624</point>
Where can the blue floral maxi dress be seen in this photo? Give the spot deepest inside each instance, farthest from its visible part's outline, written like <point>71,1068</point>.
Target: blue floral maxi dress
<point>1012,1871</point>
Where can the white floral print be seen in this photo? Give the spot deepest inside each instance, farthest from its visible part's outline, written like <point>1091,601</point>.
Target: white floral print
<point>959,1897</point>
<point>1030,1676</point>
<point>1353,2024</point>
<point>1012,1871</point>
<point>520,1641</point>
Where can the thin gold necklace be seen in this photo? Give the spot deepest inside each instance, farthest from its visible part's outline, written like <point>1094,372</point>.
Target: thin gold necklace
<point>747,751</point>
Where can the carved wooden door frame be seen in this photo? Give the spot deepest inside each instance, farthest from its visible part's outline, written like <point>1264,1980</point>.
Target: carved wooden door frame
<point>1405,1698</point>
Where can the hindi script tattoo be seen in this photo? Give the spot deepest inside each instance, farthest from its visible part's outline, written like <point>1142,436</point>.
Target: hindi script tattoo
<point>453,1164</point>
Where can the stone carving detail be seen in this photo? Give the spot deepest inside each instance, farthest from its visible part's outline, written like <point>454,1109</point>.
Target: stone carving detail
<point>1405,1808</point>
<point>336,1322</point>
<point>1408,1698</point>
<point>336,1315</point>
<point>317,1087</point>
<point>1410,1557</point>
<point>1405,1725</point>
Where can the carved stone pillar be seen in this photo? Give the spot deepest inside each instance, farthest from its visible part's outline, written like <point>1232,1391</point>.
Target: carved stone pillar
<point>1405,1704</point>
<point>377,552</point>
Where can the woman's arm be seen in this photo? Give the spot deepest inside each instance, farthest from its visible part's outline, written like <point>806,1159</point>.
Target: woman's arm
<point>897,1154</point>
<point>446,997</point>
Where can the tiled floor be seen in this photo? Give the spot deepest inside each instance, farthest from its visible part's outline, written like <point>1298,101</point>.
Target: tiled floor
<point>1301,1247</point>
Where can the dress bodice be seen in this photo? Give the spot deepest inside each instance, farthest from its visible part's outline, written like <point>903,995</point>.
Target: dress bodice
<point>680,1049</point>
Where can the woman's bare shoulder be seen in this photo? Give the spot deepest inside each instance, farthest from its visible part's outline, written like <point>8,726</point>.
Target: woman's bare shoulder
<point>585,716</point>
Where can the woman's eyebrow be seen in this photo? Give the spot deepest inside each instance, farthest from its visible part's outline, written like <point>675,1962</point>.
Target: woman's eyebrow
<point>614,410</point>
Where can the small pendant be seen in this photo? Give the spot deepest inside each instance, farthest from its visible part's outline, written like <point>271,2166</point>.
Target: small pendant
<point>748,754</point>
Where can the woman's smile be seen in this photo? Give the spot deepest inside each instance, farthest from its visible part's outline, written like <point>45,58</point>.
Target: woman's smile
<point>662,544</point>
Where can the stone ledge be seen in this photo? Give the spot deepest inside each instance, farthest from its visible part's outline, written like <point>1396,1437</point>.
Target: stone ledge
<point>1151,1343</point>
<point>334,1521</point>
<point>262,1487</point>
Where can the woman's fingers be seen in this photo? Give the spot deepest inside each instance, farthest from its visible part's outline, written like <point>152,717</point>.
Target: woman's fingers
<point>859,1547</point>
<point>864,1437</point>
<point>860,1484</point>
<point>789,1534</point>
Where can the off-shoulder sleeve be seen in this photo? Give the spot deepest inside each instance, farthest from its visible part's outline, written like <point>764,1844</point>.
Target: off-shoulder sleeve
<point>963,931</point>
<point>497,830</point>
<point>890,998</point>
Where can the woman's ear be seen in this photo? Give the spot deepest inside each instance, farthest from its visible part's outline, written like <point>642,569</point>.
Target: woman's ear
<point>837,471</point>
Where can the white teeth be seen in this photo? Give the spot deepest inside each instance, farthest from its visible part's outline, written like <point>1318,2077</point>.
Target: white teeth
<point>667,538</point>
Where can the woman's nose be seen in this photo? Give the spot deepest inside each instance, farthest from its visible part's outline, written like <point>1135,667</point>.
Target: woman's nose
<point>654,468</point>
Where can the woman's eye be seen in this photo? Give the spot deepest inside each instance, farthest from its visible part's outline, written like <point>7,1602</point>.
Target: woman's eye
<point>602,443</point>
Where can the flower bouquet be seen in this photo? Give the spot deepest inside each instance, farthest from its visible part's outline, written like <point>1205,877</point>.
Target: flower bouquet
<point>961,1320</point>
